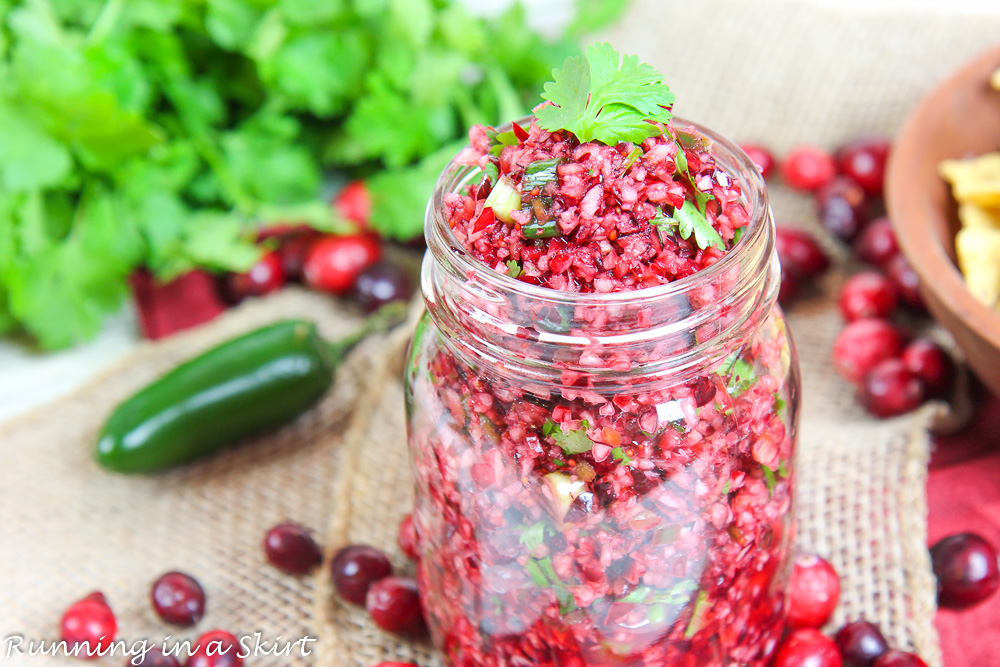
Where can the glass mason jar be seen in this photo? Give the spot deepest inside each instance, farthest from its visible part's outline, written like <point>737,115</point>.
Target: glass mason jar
<point>604,479</point>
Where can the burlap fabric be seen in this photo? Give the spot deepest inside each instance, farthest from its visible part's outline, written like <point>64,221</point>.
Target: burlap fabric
<point>774,72</point>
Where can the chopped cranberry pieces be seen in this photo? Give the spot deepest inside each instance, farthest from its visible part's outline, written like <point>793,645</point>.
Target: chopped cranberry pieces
<point>89,627</point>
<point>860,643</point>
<point>863,344</point>
<point>897,658</point>
<point>291,548</point>
<point>394,604</point>
<point>808,168</point>
<point>812,593</point>
<point>966,569</point>
<point>930,363</point>
<point>864,160</point>
<point>867,294</point>
<point>216,648</point>
<point>876,244</point>
<point>807,647</point>
<point>890,389</point>
<point>178,598</point>
<point>407,538</point>
<point>356,568</point>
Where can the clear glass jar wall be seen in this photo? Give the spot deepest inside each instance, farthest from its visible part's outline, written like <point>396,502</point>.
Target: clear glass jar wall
<point>604,479</point>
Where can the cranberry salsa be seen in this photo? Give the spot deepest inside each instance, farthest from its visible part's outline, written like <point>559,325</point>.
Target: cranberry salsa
<point>597,483</point>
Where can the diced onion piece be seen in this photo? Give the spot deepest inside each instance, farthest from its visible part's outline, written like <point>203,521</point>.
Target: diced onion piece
<point>504,199</point>
<point>565,490</point>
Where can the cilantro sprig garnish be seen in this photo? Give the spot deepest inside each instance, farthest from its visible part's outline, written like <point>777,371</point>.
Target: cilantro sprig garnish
<point>604,97</point>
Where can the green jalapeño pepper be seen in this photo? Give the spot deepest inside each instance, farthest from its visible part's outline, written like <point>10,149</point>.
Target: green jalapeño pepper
<point>254,383</point>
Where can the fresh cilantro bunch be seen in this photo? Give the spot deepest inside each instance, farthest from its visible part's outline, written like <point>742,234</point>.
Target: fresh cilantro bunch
<point>162,133</point>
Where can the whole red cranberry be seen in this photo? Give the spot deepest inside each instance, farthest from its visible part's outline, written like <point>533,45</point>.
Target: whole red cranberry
<point>863,160</point>
<point>877,244</point>
<point>293,251</point>
<point>407,537</point>
<point>381,283</point>
<point>394,605</point>
<point>799,253</point>
<point>863,344</point>
<point>333,263</point>
<point>789,288</point>
<point>216,648</point>
<point>807,647</point>
<point>867,294</point>
<point>89,626</point>
<point>761,157</point>
<point>356,568</point>
<point>393,663</point>
<point>843,208</point>
<point>966,569</point>
<point>178,598</point>
<point>290,547</point>
<point>154,657</point>
<point>860,643</point>
<point>931,364</point>
<point>896,658</point>
<point>354,202</point>
<point>813,592</point>
<point>808,168</point>
<point>906,279</point>
<point>266,276</point>
<point>890,389</point>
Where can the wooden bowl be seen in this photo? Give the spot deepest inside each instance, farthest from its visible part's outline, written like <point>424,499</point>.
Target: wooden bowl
<point>959,118</point>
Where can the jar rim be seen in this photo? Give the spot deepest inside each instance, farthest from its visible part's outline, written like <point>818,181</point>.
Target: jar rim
<point>436,228</point>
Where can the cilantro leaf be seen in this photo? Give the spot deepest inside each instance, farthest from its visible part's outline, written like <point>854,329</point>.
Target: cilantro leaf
<point>604,97</point>
<point>572,442</point>
<point>514,269</point>
<point>691,220</point>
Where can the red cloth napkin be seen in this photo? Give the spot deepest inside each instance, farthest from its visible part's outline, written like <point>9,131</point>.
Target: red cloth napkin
<point>166,308</point>
<point>963,495</point>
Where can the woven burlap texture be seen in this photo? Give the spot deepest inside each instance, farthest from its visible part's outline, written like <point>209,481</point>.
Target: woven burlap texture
<point>778,73</point>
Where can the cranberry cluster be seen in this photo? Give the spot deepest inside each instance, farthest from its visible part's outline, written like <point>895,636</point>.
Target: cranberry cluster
<point>812,596</point>
<point>363,575</point>
<point>893,376</point>
<point>178,599</point>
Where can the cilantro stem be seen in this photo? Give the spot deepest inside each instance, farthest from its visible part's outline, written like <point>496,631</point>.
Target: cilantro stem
<point>105,21</point>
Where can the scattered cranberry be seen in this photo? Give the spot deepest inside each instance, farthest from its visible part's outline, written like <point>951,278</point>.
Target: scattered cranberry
<point>334,262</point>
<point>293,251</point>
<point>761,157</point>
<point>154,657</point>
<point>799,253</point>
<point>807,647</point>
<point>356,568</point>
<point>842,208</point>
<point>354,203</point>
<point>407,537</point>
<point>393,663</point>
<point>812,592</point>
<point>178,599</point>
<point>382,283</point>
<point>267,275</point>
<point>860,643</point>
<point>867,294</point>
<point>789,287</point>
<point>877,244</point>
<point>931,364</point>
<point>863,344</point>
<point>394,605</point>
<point>290,547</point>
<point>863,160</point>
<point>906,279</point>
<point>216,648</point>
<point>90,625</point>
<point>896,658</point>
<point>808,168</point>
<point>890,389</point>
<point>966,569</point>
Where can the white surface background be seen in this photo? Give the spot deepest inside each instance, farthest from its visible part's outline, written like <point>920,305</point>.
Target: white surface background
<point>29,379</point>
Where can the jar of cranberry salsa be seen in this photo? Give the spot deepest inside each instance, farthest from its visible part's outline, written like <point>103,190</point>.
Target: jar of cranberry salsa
<point>602,402</point>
